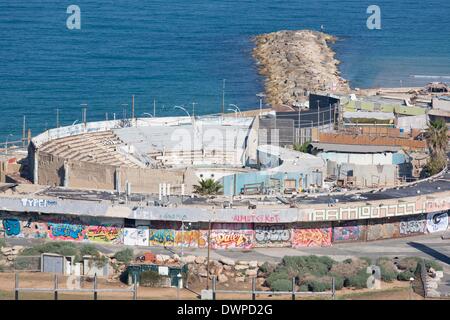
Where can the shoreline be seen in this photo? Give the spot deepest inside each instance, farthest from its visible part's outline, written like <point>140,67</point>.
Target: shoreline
<point>295,63</point>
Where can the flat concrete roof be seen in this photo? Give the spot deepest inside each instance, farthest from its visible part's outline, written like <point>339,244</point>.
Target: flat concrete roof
<point>354,148</point>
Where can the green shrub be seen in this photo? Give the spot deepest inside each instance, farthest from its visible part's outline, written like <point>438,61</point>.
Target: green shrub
<point>89,250</point>
<point>405,275</point>
<point>319,286</point>
<point>387,269</point>
<point>359,281</point>
<point>277,275</point>
<point>267,267</point>
<point>150,278</point>
<point>124,256</point>
<point>2,242</point>
<point>433,264</point>
<point>367,260</point>
<point>303,288</point>
<point>305,265</point>
<point>338,282</point>
<point>408,263</point>
<point>347,261</point>
<point>281,285</point>
<point>63,248</point>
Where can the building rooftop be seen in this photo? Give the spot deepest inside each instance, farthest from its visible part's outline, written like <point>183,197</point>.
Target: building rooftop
<point>354,148</point>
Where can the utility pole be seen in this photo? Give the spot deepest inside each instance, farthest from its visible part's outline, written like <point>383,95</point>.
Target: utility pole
<point>57,117</point>
<point>299,126</point>
<point>318,113</point>
<point>154,108</point>
<point>193,108</point>
<point>132,106</point>
<point>23,131</point>
<point>223,97</point>
<point>84,109</point>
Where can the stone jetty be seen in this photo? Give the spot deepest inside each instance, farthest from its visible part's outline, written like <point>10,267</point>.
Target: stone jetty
<point>295,63</point>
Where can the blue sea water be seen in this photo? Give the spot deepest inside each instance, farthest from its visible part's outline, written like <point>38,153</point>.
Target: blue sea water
<point>179,51</point>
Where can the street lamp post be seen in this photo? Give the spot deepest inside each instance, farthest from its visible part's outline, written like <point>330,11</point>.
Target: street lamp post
<point>84,115</point>
<point>260,95</point>
<point>234,110</point>
<point>236,107</point>
<point>223,96</point>
<point>6,143</point>
<point>184,109</point>
<point>193,108</point>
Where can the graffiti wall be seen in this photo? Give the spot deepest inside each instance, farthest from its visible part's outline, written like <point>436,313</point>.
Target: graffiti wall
<point>104,234</point>
<point>14,228</point>
<point>349,231</point>
<point>383,229</point>
<point>136,236</point>
<point>437,222</point>
<point>170,233</point>
<point>161,237</point>
<point>307,235</point>
<point>412,225</point>
<point>231,235</point>
<point>272,235</point>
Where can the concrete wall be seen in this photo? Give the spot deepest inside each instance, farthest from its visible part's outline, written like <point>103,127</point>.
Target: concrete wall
<point>223,235</point>
<point>51,170</point>
<point>99,176</point>
<point>90,175</point>
<point>148,180</point>
<point>365,175</point>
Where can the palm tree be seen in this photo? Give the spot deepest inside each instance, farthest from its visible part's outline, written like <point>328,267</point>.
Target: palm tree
<point>208,187</point>
<point>437,141</point>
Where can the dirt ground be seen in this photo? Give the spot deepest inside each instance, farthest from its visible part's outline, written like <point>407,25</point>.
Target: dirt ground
<point>396,290</point>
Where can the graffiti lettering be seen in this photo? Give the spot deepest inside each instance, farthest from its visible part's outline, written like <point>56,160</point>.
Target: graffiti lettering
<point>347,233</point>
<point>272,234</point>
<point>162,237</point>
<point>437,222</point>
<point>230,240</point>
<point>103,234</point>
<point>256,218</point>
<point>412,225</point>
<point>311,237</point>
<point>40,203</point>
<point>65,231</point>
<point>12,227</point>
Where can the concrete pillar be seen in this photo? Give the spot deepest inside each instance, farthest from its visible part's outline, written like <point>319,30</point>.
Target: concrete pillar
<point>117,180</point>
<point>66,174</point>
<point>35,167</point>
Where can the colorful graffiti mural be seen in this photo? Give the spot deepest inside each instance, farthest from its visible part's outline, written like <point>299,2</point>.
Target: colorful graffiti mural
<point>66,231</point>
<point>104,234</point>
<point>11,227</point>
<point>161,237</point>
<point>229,235</point>
<point>311,237</point>
<point>348,231</point>
<point>413,225</point>
<point>437,222</point>
<point>272,235</point>
<point>15,228</point>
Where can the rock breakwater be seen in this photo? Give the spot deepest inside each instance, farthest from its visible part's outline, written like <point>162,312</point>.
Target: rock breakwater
<point>295,63</point>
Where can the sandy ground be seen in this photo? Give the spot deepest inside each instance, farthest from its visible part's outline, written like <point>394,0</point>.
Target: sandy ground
<point>389,291</point>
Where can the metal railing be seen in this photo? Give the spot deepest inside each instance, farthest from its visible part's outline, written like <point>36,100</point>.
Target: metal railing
<point>255,292</point>
<point>56,290</point>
